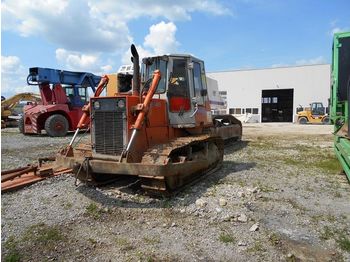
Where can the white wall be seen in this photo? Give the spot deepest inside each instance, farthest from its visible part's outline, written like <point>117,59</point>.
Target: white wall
<point>311,83</point>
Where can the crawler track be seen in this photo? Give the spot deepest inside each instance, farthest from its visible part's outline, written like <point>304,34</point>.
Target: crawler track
<point>201,154</point>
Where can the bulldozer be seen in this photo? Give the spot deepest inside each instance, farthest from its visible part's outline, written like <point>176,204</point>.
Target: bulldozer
<point>315,114</point>
<point>161,131</point>
<point>10,109</point>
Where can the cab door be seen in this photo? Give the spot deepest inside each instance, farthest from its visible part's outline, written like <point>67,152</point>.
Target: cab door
<point>200,100</point>
<point>180,93</point>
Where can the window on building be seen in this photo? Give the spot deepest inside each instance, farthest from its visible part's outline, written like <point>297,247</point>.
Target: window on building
<point>255,111</point>
<point>266,100</point>
<point>223,93</point>
<point>248,110</point>
<point>231,111</point>
<point>238,111</point>
<point>243,110</point>
<point>274,100</point>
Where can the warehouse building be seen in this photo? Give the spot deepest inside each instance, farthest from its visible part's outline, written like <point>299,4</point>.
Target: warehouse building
<point>273,94</point>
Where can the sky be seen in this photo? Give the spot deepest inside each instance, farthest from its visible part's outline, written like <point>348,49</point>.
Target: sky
<point>95,35</point>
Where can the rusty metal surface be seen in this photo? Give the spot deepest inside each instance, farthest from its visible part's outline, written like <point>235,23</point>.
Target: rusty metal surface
<point>11,174</point>
<point>163,166</point>
<point>24,176</point>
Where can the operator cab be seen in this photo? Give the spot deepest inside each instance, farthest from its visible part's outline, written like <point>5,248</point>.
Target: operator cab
<point>317,108</point>
<point>183,85</point>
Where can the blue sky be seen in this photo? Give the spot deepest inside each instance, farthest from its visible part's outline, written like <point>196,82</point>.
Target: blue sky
<point>95,35</point>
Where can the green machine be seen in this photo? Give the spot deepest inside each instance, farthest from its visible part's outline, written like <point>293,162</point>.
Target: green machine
<point>340,98</point>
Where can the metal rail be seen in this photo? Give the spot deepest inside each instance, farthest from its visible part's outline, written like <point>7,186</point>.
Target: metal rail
<point>20,177</point>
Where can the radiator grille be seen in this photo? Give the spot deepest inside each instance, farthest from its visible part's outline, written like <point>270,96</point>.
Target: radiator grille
<point>108,127</point>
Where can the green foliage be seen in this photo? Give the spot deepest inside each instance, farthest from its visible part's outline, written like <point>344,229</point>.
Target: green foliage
<point>343,242</point>
<point>166,203</point>
<point>258,247</point>
<point>330,164</point>
<point>42,234</point>
<point>274,239</point>
<point>226,238</point>
<point>12,252</point>
<point>93,210</point>
<point>151,240</point>
<point>13,256</point>
<point>338,235</point>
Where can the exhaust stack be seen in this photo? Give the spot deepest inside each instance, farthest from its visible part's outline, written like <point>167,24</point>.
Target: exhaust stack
<point>136,75</point>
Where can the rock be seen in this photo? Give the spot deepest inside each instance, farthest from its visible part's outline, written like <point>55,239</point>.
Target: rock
<point>222,202</point>
<point>240,194</point>
<point>200,203</point>
<point>242,218</point>
<point>173,224</point>
<point>226,218</point>
<point>242,244</point>
<point>253,190</point>
<point>218,210</point>
<point>254,227</point>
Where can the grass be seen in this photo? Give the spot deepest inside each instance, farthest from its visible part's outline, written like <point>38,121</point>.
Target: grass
<point>13,254</point>
<point>226,238</point>
<point>327,233</point>
<point>296,205</point>
<point>338,235</point>
<point>274,239</point>
<point>151,240</point>
<point>40,234</point>
<point>68,206</point>
<point>92,241</point>
<point>337,194</point>
<point>264,188</point>
<point>124,244</point>
<point>93,210</point>
<point>329,164</point>
<point>166,203</point>
<point>43,234</point>
<point>343,242</point>
<point>257,247</point>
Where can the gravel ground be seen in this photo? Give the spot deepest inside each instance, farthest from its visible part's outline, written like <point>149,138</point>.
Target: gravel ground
<point>279,196</point>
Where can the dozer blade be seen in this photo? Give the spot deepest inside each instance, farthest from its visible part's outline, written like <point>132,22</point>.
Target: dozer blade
<point>24,176</point>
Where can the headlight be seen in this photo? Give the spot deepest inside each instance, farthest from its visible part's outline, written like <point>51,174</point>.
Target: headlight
<point>121,103</point>
<point>96,105</point>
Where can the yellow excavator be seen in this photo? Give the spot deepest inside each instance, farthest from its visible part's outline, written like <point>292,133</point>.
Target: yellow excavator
<point>315,114</point>
<point>10,108</point>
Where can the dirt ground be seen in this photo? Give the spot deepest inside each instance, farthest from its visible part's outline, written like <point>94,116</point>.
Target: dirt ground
<point>279,196</point>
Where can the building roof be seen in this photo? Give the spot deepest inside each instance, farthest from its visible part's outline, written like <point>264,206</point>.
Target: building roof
<point>265,68</point>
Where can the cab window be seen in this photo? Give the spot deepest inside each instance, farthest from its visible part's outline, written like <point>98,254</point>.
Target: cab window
<point>83,94</point>
<point>178,91</point>
<point>147,73</point>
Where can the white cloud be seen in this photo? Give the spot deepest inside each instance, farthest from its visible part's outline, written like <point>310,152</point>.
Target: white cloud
<point>161,38</point>
<point>338,30</point>
<point>77,61</point>
<point>94,25</point>
<point>14,77</point>
<point>71,25</point>
<point>169,9</point>
<point>312,61</point>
